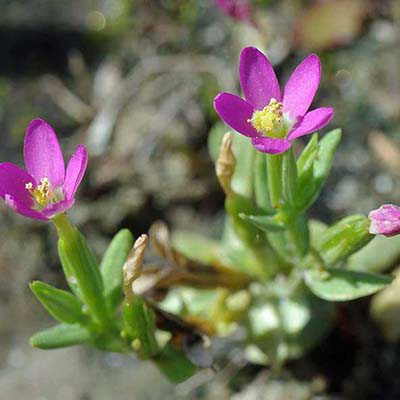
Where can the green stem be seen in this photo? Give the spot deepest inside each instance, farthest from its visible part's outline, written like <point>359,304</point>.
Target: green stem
<point>81,270</point>
<point>274,165</point>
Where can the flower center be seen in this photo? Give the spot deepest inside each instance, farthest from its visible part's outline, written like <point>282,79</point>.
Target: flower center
<point>269,121</point>
<point>43,193</point>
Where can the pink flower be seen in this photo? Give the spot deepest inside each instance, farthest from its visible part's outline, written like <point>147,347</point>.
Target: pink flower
<point>385,220</point>
<point>272,121</point>
<point>46,188</point>
<point>237,9</point>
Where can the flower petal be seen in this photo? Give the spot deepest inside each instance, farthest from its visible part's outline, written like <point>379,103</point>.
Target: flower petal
<point>235,112</point>
<point>42,153</point>
<point>301,87</point>
<point>19,207</point>
<point>385,220</point>
<point>312,121</point>
<point>12,183</point>
<point>270,145</point>
<point>75,170</point>
<point>53,209</point>
<point>257,78</point>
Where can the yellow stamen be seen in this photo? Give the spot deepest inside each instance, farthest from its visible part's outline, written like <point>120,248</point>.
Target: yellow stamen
<point>42,193</point>
<point>269,121</point>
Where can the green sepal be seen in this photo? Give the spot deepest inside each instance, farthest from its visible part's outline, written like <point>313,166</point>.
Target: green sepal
<point>111,266</point>
<point>174,364</point>
<point>344,238</point>
<point>62,305</point>
<point>341,285</point>
<point>81,270</point>
<point>62,335</point>
<point>139,326</point>
<point>310,184</point>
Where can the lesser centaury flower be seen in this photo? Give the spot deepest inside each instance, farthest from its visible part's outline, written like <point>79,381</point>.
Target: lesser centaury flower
<point>46,188</point>
<point>385,220</point>
<point>272,121</point>
<point>237,9</point>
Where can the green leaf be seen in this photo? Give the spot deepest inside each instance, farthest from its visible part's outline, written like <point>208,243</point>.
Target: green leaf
<point>326,153</point>
<point>306,160</point>
<point>197,247</point>
<point>344,238</point>
<point>61,335</point>
<point>174,364</point>
<point>310,185</point>
<point>341,284</point>
<point>377,256</point>
<point>80,268</point>
<point>62,305</point>
<point>266,223</point>
<point>111,266</point>
<point>140,326</point>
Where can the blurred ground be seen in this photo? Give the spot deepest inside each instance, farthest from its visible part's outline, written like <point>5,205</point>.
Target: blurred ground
<point>134,81</point>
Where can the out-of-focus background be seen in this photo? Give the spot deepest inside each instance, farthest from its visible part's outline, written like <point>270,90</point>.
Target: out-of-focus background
<point>134,80</point>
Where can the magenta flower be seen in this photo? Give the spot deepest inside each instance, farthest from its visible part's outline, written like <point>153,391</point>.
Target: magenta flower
<point>385,220</point>
<point>46,188</point>
<point>237,9</point>
<point>272,121</point>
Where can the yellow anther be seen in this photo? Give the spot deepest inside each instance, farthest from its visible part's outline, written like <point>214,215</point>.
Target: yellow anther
<point>269,121</point>
<point>42,193</point>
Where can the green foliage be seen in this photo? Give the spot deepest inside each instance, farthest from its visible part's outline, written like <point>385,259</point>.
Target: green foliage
<point>341,285</point>
<point>111,266</point>
<point>62,305</point>
<point>59,336</point>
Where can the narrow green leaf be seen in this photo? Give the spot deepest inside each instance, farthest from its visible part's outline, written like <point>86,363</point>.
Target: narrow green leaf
<point>326,152</point>
<point>341,284</point>
<point>62,305</point>
<point>344,238</point>
<point>111,266</point>
<point>266,223</point>
<point>61,335</point>
<point>197,247</point>
<point>140,325</point>
<point>310,185</point>
<point>174,364</point>
<point>306,160</point>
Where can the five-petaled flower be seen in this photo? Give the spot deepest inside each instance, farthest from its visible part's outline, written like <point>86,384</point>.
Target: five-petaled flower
<point>272,121</point>
<point>46,188</point>
<point>385,220</point>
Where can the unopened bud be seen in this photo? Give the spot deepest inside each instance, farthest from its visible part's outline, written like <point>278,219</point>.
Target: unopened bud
<point>226,162</point>
<point>132,268</point>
